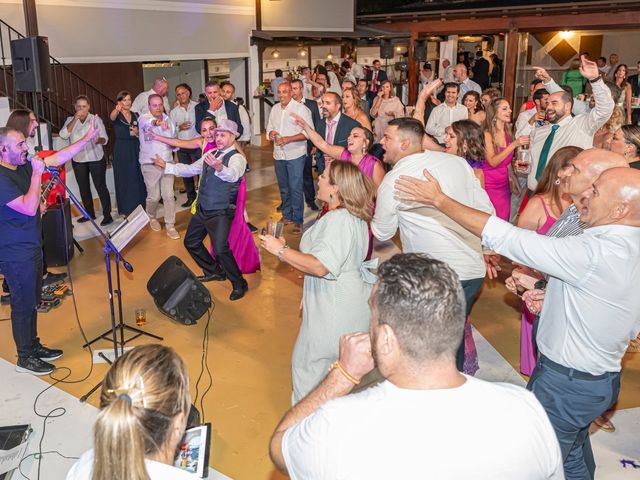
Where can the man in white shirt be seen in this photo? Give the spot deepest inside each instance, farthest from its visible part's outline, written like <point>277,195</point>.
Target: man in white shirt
<point>446,71</point>
<point>90,160</point>
<point>159,184</point>
<point>160,87</point>
<point>410,425</point>
<point>461,75</point>
<point>289,153</point>
<point>422,229</point>
<point>589,316</point>
<point>563,129</point>
<point>446,113</point>
<point>221,173</point>
<point>183,117</point>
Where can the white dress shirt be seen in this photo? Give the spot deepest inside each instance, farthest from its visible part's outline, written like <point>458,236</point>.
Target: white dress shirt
<point>443,116</point>
<point>141,103</point>
<point>151,148</point>
<point>447,74</point>
<point>92,152</point>
<point>179,115</point>
<point>245,120</point>
<point>335,83</point>
<point>523,127</point>
<point>231,173</point>
<point>467,86</point>
<point>575,131</point>
<point>590,311</point>
<point>281,121</point>
<point>425,229</point>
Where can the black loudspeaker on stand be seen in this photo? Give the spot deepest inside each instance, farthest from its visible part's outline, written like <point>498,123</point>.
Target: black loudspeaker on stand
<point>31,67</point>
<point>178,293</point>
<point>386,49</point>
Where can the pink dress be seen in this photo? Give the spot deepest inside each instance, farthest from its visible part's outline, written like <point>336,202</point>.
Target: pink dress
<point>496,183</point>
<point>241,242</point>
<point>527,352</point>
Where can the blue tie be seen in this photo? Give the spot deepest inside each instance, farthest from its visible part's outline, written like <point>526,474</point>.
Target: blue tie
<point>544,154</point>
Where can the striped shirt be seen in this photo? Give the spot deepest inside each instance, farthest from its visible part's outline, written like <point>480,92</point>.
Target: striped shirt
<point>568,224</point>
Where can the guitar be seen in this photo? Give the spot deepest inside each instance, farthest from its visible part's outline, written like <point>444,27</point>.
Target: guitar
<point>46,188</point>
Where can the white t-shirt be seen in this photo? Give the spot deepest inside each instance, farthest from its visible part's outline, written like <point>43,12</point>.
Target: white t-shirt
<point>83,469</point>
<point>478,431</point>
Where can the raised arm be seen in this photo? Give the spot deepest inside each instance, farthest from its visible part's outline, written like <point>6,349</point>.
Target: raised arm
<point>63,156</point>
<point>334,151</point>
<point>176,142</point>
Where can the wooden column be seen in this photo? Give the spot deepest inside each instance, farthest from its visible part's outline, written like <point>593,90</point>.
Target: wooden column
<point>413,70</point>
<point>512,45</point>
<point>30,17</point>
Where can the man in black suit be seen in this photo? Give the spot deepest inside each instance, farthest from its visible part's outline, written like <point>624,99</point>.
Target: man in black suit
<point>634,80</point>
<point>336,127</point>
<point>308,187</point>
<point>481,71</point>
<point>374,78</point>
<point>217,107</point>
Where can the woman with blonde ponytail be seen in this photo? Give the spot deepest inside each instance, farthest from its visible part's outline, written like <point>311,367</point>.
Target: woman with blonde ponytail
<point>144,407</point>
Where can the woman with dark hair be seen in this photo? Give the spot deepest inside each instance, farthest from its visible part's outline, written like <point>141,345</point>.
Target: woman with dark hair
<point>624,87</point>
<point>464,138</point>
<point>471,100</point>
<point>129,183</point>
<point>499,150</point>
<point>144,408</point>
<point>543,209</point>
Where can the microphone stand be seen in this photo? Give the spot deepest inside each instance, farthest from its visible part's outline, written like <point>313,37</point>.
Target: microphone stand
<point>109,248</point>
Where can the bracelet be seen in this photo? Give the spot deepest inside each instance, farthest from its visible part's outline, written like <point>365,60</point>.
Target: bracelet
<point>345,374</point>
<point>280,252</point>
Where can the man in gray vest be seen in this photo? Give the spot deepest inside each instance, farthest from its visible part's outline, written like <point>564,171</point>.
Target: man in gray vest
<point>221,171</point>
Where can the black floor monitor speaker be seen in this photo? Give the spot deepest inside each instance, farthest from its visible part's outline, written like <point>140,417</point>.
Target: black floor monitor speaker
<point>386,49</point>
<point>55,222</point>
<point>178,293</point>
<point>31,66</point>
<point>420,50</point>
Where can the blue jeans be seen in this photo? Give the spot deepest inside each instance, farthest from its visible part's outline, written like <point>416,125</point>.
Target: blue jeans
<point>25,283</point>
<point>572,404</point>
<point>289,174</point>
<point>471,289</point>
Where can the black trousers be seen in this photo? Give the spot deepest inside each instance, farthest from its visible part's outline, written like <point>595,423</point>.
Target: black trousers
<point>188,156</point>
<point>24,279</point>
<point>98,172</point>
<point>215,223</point>
<point>308,186</point>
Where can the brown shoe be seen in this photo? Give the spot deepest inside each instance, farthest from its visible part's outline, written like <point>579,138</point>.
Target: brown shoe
<point>297,229</point>
<point>285,221</point>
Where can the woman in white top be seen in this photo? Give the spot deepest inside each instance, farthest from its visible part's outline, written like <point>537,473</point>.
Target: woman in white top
<point>145,403</point>
<point>245,119</point>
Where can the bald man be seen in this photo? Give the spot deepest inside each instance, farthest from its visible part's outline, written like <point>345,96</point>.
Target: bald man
<point>461,75</point>
<point>589,317</point>
<point>160,87</point>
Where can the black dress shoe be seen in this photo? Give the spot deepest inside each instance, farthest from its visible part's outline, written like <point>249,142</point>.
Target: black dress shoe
<point>239,292</point>
<point>51,277</point>
<point>106,221</point>
<point>218,277</point>
<point>33,365</point>
<point>47,354</point>
<point>85,219</point>
<point>187,204</point>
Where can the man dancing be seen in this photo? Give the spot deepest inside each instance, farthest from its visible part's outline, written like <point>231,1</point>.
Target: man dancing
<point>221,171</point>
<point>21,240</point>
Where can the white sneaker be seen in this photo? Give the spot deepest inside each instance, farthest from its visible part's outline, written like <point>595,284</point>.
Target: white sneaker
<point>173,234</point>
<point>155,225</point>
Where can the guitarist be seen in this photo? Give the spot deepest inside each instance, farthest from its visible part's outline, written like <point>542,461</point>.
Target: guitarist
<point>21,241</point>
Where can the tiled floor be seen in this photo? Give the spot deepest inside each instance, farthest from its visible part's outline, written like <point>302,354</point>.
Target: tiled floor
<point>250,344</point>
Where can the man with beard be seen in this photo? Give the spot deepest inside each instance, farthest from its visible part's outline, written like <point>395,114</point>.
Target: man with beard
<point>21,240</point>
<point>563,129</point>
<point>336,127</point>
<point>409,425</point>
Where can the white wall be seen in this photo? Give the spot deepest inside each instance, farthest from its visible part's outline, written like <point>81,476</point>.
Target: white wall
<point>94,31</point>
<point>310,15</point>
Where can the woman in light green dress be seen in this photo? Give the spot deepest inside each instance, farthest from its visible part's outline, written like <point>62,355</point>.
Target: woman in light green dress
<point>337,282</point>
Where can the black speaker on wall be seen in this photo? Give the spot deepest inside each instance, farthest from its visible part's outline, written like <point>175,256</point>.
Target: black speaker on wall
<point>178,293</point>
<point>386,49</point>
<point>31,66</point>
<point>420,50</point>
<point>56,226</point>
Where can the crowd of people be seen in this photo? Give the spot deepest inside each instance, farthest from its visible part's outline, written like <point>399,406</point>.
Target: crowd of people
<point>559,195</point>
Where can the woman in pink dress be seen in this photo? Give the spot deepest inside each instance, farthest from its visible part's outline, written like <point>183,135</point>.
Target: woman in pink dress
<point>241,241</point>
<point>499,150</point>
<point>546,204</point>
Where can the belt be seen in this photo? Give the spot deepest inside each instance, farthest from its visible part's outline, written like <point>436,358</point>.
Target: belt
<point>572,372</point>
